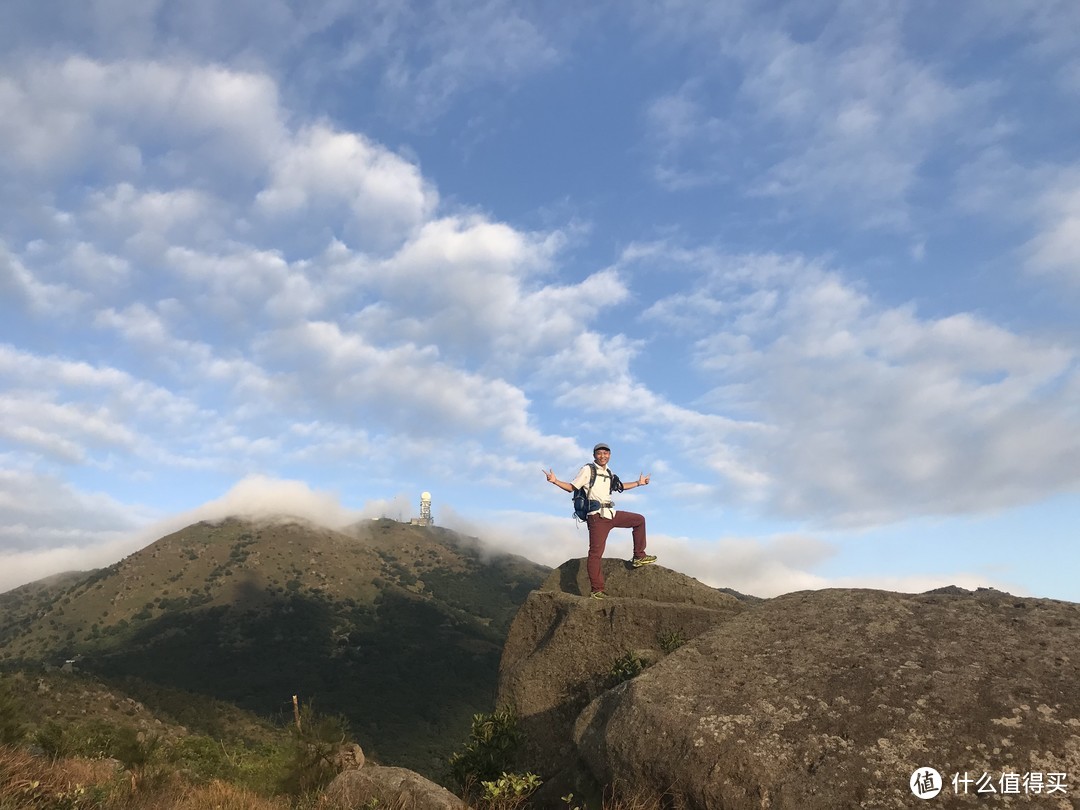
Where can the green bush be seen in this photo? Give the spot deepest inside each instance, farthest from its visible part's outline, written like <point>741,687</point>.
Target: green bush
<point>491,752</point>
<point>510,790</point>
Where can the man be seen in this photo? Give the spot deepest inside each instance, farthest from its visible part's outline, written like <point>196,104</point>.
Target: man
<point>604,518</point>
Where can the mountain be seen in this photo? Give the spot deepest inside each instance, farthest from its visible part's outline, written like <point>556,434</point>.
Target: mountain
<point>398,628</point>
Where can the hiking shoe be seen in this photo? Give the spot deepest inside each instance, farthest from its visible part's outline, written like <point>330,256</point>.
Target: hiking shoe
<point>598,595</point>
<point>648,559</point>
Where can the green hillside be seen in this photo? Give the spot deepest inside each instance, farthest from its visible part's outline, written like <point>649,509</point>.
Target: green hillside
<point>399,628</point>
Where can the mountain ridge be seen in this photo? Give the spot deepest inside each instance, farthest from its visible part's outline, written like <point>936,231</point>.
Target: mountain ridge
<point>397,627</point>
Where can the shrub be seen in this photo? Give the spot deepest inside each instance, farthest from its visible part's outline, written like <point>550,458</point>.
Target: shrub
<point>53,740</point>
<point>135,750</point>
<point>491,751</point>
<point>510,790</point>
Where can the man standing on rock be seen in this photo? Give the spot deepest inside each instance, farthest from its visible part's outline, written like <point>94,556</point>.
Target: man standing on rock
<point>600,484</point>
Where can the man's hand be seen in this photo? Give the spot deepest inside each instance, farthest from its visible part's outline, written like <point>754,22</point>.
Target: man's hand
<point>563,485</point>
<point>643,479</point>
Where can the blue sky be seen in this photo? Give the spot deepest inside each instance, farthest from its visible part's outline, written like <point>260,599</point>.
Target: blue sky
<point>815,266</point>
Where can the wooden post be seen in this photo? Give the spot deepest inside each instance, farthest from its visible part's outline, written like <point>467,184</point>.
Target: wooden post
<point>296,712</point>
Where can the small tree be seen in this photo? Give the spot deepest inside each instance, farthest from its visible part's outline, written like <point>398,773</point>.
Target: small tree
<point>316,740</point>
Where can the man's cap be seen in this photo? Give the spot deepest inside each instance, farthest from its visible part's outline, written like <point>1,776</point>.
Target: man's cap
<point>601,446</point>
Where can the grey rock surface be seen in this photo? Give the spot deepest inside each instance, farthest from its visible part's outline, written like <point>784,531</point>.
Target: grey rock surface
<point>832,699</point>
<point>561,645</point>
<point>397,788</point>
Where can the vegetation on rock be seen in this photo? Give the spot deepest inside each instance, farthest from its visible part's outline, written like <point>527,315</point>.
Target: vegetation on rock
<point>626,666</point>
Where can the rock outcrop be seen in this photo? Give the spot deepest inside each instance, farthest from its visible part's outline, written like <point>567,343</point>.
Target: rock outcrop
<point>380,786</point>
<point>817,699</point>
<point>561,647</point>
<point>832,699</point>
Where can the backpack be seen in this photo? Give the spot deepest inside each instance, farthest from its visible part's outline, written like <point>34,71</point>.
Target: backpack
<point>583,504</point>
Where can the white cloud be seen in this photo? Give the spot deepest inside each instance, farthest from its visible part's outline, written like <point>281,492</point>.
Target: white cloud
<point>40,297</point>
<point>64,430</point>
<point>57,116</point>
<point>86,414</point>
<point>145,222</point>
<point>843,120</point>
<point>385,195</point>
<point>195,365</point>
<point>259,496</point>
<point>425,56</point>
<point>22,566</point>
<point>59,377</point>
<point>404,387</point>
<point>482,290</point>
<point>47,526</point>
<point>860,122</point>
<point>869,414</point>
<point>454,45</point>
<point>325,442</point>
<point>95,268</point>
<point>1055,251</point>
<point>459,299</point>
<point>694,148</point>
<point>245,284</point>
<point>759,567</point>
<point>198,135</point>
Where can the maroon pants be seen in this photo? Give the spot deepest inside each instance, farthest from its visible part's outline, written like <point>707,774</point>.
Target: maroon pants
<point>599,528</point>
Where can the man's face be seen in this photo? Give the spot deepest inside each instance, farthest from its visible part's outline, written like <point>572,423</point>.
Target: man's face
<point>601,457</point>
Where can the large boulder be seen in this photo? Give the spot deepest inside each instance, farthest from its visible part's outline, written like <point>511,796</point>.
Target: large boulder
<point>381,786</point>
<point>832,699</point>
<point>562,645</point>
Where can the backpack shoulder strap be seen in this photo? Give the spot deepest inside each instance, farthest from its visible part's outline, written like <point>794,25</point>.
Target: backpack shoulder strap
<point>616,483</point>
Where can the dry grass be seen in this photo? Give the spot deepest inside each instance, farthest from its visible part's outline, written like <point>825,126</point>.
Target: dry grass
<point>215,796</point>
<point>34,783</point>
<point>30,782</point>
